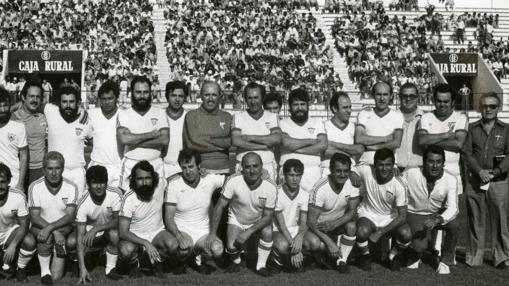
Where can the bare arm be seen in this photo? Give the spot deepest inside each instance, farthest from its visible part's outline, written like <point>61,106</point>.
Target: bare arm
<point>317,148</point>
<point>169,219</point>
<point>217,213</point>
<point>67,219</point>
<point>36,219</point>
<point>23,166</point>
<point>452,141</point>
<point>123,231</point>
<point>292,144</point>
<point>392,144</point>
<point>80,245</point>
<point>354,150</point>
<point>362,138</point>
<point>312,219</point>
<point>273,139</point>
<point>112,224</point>
<point>159,142</point>
<point>241,141</point>
<point>268,215</point>
<point>399,220</point>
<point>281,225</point>
<point>125,137</point>
<point>23,227</point>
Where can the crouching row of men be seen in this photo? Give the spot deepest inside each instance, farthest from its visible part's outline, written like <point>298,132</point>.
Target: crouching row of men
<point>170,220</point>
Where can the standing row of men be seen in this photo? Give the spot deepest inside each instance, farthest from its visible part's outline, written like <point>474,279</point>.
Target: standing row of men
<point>124,138</point>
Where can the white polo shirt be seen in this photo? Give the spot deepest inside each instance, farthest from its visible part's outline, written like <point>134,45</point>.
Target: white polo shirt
<point>443,196</point>
<point>375,125</point>
<point>176,142</point>
<point>90,213</point>
<point>247,125</point>
<point>245,204</point>
<point>52,206</point>
<point>291,208</point>
<point>332,204</point>
<point>310,130</point>
<point>192,203</point>
<point>104,131</point>
<point>14,208</point>
<point>338,135</point>
<point>154,119</point>
<point>13,137</point>
<point>66,138</point>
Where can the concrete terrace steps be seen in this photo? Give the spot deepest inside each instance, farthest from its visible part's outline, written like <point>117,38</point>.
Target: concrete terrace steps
<point>163,66</point>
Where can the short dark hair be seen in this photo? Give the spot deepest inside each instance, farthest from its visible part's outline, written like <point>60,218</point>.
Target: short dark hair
<point>109,86</point>
<point>67,89</point>
<point>298,94</point>
<point>294,164</point>
<point>28,84</point>
<point>333,102</point>
<point>5,171</point>
<point>254,85</point>
<point>272,96</point>
<point>341,158</point>
<point>408,85</point>
<point>5,96</point>
<point>141,79</point>
<point>173,85</point>
<point>382,154</point>
<point>444,88</point>
<point>433,149</point>
<point>143,165</point>
<point>186,155</point>
<point>379,83</point>
<point>96,173</point>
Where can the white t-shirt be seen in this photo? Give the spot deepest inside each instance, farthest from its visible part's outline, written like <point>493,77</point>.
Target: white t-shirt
<point>146,217</point>
<point>154,119</point>
<point>14,208</point>
<point>245,204</point>
<point>247,125</point>
<point>176,141</point>
<point>457,120</point>
<point>52,206</point>
<point>375,125</point>
<point>66,138</point>
<point>335,134</point>
<point>13,137</point>
<point>443,196</point>
<point>332,204</point>
<point>92,214</point>
<point>192,203</point>
<point>291,208</point>
<point>310,130</point>
<point>105,137</point>
<point>380,201</point>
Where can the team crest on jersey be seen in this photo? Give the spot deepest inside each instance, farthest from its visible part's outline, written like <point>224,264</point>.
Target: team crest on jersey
<point>109,209</point>
<point>154,121</point>
<point>78,131</point>
<point>390,195</point>
<point>262,201</point>
<point>451,124</point>
<point>267,124</point>
<point>65,200</point>
<point>14,212</point>
<point>311,130</point>
<point>11,136</point>
<point>222,124</point>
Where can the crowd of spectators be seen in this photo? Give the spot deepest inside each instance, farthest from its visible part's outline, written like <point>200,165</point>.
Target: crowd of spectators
<point>117,34</point>
<point>233,41</point>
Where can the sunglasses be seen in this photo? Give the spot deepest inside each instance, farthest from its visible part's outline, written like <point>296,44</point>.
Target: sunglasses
<point>489,106</point>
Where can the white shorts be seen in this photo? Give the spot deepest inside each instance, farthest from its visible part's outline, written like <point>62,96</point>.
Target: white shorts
<point>149,235</point>
<point>77,176</point>
<point>113,172</point>
<point>88,227</point>
<point>293,230</point>
<point>378,220</point>
<point>171,169</point>
<point>454,169</point>
<point>270,167</point>
<point>194,232</point>
<point>233,221</point>
<point>128,164</point>
<point>4,236</point>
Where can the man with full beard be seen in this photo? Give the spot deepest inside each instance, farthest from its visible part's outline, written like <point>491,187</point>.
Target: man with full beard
<point>141,220</point>
<point>66,134</point>
<point>142,132</point>
<point>304,138</point>
<point>13,143</point>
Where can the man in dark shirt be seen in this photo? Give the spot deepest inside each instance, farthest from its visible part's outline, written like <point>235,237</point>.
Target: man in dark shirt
<point>486,152</point>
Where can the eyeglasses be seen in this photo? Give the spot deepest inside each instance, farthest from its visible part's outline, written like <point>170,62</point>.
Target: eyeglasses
<point>409,96</point>
<point>489,106</point>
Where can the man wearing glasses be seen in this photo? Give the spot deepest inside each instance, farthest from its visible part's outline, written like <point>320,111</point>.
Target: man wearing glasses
<point>486,152</point>
<point>409,154</point>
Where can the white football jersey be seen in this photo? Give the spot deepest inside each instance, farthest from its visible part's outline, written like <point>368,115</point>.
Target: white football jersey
<point>104,131</point>
<point>90,213</point>
<point>52,206</point>
<point>14,208</point>
<point>176,142</point>
<point>13,137</point>
<point>332,204</point>
<point>310,130</point>
<point>291,208</point>
<point>335,134</point>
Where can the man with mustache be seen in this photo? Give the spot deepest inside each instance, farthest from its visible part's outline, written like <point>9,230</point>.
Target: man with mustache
<point>13,143</point>
<point>141,221</point>
<point>304,138</point>
<point>104,127</point>
<point>67,135</point>
<point>251,200</point>
<point>14,225</point>
<point>142,132</point>
<point>52,203</point>
<point>207,130</point>
<point>36,128</point>
<point>382,210</point>
<point>379,127</point>
<point>97,223</point>
<point>256,130</point>
<point>432,204</point>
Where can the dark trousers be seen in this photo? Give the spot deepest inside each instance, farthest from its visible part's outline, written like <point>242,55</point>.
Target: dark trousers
<point>422,236</point>
<point>482,206</point>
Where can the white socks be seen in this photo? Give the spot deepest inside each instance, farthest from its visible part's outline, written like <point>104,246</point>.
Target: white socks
<point>44,261</point>
<point>263,253</point>
<point>111,261</point>
<point>345,243</point>
<point>24,257</point>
